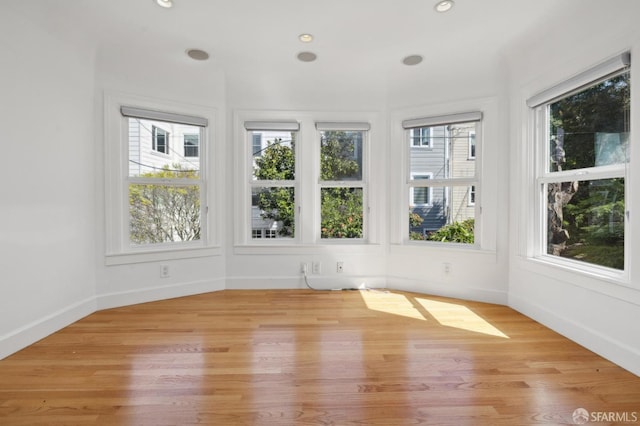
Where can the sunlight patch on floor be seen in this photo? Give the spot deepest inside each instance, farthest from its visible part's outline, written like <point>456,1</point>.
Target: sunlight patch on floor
<point>459,316</point>
<point>390,303</point>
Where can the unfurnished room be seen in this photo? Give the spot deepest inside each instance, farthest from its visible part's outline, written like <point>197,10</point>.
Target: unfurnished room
<point>319,213</point>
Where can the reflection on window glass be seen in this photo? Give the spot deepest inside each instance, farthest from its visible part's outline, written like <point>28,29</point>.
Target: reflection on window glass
<point>591,128</point>
<point>272,212</point>
<point>590,226</point>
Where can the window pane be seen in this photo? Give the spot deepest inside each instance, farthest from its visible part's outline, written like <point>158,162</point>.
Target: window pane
<point>341,155</point>
<point>585,221</point>
<point>156,149</point>
<point>273,155</point>
<point>341,212</point>
<point>450,154</point>
<point>163,213</point>
<point>449,217</point>
<point>272,212</point>
<point>591,128</point>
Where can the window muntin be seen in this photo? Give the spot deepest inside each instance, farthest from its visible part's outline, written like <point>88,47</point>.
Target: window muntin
<point>164,193</point>
<point>443,176</point>
<point>342,188</point>
<point>272,184</point>
<point>585,148</point>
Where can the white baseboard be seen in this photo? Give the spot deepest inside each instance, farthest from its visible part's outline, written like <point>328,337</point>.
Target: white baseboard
<point>43,327</point>
<point>445,290</point>
<point>316,281</point>
<point>611,349</point>
<point>152,294</point>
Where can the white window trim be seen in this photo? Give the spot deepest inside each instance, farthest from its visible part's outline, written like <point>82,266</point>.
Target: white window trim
<point>307,237</point>
<point>474,116</point>
<point>264,127</point>
<point>538,116</point>
<point>364,128</point>
<point>117,247</point>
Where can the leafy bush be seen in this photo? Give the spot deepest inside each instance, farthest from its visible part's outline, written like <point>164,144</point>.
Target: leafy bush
<point>457,232</point>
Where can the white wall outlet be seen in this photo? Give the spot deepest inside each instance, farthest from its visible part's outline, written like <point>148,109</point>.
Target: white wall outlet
<point>164,271</point>
<point>316,267</point>
<point>303,267</point>
<point>340,267</point>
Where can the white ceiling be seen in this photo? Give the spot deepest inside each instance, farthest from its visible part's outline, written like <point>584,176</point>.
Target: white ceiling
<point>360,43</point>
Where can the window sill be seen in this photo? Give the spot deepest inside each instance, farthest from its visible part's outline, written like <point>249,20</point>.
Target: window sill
<point>161,255</point>
<point>306,249</point>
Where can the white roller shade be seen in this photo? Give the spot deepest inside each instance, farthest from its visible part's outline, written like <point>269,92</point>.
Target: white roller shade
<point>339,125</point>
<point>293,126</point>
<point>163,116</point>
<point>583,79</point>
<point>465,117</point>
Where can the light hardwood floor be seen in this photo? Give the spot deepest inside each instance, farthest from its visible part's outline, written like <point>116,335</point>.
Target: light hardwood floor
<point>300,357</point>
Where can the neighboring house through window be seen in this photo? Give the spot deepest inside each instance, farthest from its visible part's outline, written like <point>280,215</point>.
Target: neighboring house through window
<point>442,180</point>
<point>160,140</point>
<point>191,145</point>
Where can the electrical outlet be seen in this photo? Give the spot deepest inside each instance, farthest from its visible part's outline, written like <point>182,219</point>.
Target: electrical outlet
<point>164,271</point>
<point>303,267</point>
<point>316,267</point>
<point>340,267</point>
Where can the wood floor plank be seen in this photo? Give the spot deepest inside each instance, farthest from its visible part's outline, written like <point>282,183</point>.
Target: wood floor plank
<point>298,357</point>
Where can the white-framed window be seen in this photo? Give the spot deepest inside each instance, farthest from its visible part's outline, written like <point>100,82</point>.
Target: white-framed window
<point>272,181</point>
<point>191,145</point>
<point>472,145</point>
<point>157,206</point>
<point>420,137</point>
<point>471,198</point>
<point>438,180</point>
<point>342,180</point>
<point>420,196</point>
<point>160,140</point>
<point>582,134</point>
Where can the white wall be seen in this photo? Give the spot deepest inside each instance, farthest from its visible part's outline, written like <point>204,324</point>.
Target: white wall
<point>595,312</point>
<point>47,182</point>
<point>478,273</point>
<point>180,85</point>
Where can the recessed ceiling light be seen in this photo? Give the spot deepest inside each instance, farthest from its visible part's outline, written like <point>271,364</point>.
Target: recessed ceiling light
<point>164,3</point>
<point>444,6</point>
<point>197,54</point>
<point>307,56</point>
<point>412,60</point>
<point>305,38</point>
